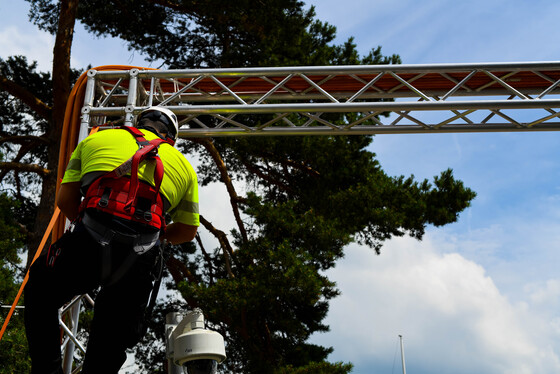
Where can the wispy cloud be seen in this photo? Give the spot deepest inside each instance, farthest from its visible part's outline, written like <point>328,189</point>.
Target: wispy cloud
<point>438,31</point>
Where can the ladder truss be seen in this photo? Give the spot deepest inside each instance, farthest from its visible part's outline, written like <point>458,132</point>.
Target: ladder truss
<point>324,100</point>
<point>334,100</point>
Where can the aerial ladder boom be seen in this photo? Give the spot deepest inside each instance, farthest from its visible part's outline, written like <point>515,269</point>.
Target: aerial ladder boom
<point>372,99</point>
<point>316,100</point>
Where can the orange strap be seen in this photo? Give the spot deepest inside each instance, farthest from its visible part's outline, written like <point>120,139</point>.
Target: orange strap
<point>39,250</point>
<point>71,128</point>
<point>69,139</point>
<point>54,219</point>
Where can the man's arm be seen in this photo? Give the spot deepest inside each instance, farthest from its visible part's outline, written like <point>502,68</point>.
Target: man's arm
<point>69,199</point>
<point>177,233</point>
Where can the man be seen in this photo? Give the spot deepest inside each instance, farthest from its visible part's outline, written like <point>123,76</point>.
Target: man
<point>111,245</point>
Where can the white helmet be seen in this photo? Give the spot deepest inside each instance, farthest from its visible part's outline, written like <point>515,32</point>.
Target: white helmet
<point>163,115</point>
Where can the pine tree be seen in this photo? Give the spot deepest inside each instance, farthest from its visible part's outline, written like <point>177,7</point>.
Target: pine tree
<point>306,198</point>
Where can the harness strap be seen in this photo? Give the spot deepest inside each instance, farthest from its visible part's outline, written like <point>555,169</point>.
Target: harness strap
<point>124,201</point>
<point>104,234</point>
<point>148,150</point>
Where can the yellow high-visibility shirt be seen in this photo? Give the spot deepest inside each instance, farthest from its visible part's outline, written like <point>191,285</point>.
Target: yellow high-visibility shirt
<point>107,149</point>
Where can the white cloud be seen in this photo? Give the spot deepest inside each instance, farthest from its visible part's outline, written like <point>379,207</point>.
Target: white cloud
<point>544,293</point>
<point>99,51</point>
<point>20,37</point>
<point>29,42</point>
<point>450,312</point>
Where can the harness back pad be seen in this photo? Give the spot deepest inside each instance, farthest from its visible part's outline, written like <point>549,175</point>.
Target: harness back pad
<point>128,197</point>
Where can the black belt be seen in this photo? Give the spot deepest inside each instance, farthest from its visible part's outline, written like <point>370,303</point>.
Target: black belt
<point>104,235</point>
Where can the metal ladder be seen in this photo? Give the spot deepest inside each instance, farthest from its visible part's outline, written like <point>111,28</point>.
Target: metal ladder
<point>373,99</point>
<point>326,100</point>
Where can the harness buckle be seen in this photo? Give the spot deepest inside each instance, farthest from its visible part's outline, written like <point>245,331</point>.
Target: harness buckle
<point>147,216</point>
<point>104,200</point>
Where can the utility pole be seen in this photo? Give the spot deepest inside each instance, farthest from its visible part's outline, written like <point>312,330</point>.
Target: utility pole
<point>402,355</point>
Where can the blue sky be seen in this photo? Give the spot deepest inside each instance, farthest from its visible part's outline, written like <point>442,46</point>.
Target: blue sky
<point>480,295</point>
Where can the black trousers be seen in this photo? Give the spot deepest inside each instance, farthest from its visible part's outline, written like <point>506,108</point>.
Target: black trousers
<point>76,265</point>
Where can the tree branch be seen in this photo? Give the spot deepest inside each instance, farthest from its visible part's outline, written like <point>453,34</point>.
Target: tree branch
<point>30,168</point>
<point>234,198</point>
<point>24,139</point>
<point>224,243</point>
<point>175,6</point>
<point>299,165</point>
<point>14,89</point>
<point>258,171</point>
<point>26,146</point>
<point>179,271</point>
<point>207,258</point>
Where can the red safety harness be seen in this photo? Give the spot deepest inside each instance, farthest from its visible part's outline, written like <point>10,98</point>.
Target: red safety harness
<point>128,197</point>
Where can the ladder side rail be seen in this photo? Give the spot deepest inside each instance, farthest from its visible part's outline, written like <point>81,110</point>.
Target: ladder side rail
<point>367,130</point>
<point>337,70</point>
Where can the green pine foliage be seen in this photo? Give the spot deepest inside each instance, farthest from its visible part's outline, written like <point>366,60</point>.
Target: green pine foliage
<point>263,287</point>
<point>308,197</point>
<point>13,346</point>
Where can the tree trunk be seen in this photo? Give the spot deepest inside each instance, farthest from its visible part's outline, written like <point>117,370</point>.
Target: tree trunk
<point>61,91</point>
